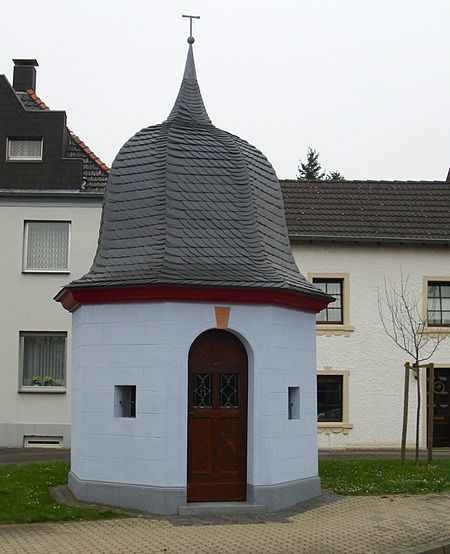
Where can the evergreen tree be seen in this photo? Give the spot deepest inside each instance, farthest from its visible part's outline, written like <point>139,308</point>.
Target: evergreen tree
<point>335,176</point>
<point>311,170</point>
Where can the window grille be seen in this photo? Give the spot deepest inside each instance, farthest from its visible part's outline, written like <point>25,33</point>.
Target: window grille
<point>202,390</point>
<point>229,390</point>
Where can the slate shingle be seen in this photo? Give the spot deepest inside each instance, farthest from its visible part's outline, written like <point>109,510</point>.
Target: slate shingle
<point>189,204</point>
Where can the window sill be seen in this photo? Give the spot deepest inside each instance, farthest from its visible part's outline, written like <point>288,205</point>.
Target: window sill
<point>444,330</point>
<point>38,389</point>
<point>24,160</point>
<point>53,271</point>
<point>334,427</point>
<point>334,329</point>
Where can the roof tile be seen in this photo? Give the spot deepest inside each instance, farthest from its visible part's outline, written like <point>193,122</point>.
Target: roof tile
<point>368,210</point>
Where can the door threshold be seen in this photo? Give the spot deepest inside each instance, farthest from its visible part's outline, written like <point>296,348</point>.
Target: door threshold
<point>220,508</point>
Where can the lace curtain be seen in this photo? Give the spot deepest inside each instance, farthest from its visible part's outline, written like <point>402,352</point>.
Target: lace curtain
<point>47,245</point>
<point>43,359</point>
<point>25,148</point>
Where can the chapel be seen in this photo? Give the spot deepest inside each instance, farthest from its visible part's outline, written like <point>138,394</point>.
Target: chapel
<point>193,333</point>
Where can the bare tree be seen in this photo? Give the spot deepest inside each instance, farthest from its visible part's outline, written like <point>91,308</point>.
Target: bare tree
<point>403,321</point>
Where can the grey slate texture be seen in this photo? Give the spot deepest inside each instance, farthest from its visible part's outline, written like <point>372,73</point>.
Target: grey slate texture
<point>189,204</point>
<point>28,103</point>
<point>94,178</point>
<point>372,211</point>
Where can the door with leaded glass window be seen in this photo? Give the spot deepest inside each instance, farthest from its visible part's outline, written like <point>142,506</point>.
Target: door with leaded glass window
<point>441,407</point>
<point>217,418</point>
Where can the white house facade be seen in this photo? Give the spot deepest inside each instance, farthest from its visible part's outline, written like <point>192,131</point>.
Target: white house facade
<point>50,203</point>
<point>32,411</point>
<point>363,234</point>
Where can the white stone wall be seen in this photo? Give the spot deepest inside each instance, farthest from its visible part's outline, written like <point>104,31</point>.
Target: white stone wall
<point>147,345</point>
<point>26,301</point>
<point>375,363</point>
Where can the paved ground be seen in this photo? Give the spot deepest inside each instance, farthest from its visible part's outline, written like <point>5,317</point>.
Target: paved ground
<point>347,525</point>
<point>328,525</point>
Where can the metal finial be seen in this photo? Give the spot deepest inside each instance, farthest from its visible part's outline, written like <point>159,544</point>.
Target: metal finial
<point>191,39</point>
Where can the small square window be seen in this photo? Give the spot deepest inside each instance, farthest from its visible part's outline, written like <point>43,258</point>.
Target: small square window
<point>125,401</point>
<point>24,149</point>
<point>333,313</point>
<point>43,359</point>
<point>46,246</point>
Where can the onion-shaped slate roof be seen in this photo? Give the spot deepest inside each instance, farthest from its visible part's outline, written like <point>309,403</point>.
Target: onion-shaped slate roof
<point>188,204</point>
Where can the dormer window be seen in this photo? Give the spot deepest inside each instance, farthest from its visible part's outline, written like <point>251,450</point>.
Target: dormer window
<point>24,149</point>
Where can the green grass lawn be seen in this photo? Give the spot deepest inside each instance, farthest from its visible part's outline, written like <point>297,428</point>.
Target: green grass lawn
<point>364,477</point>
<point>25,498</point>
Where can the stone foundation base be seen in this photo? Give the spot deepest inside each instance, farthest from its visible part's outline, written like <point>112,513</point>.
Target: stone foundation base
<point>12,434</point>
<point>167,500</point>
<point>159,500</point>
<point>283,495</point>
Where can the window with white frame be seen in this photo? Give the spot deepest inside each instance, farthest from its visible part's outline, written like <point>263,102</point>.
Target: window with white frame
<point>43,359</point>
<point>46,246</point>
<point>24,149</point>
<point>438,305</point>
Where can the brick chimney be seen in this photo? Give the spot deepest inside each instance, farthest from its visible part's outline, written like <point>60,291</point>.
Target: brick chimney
<point>24,75</point>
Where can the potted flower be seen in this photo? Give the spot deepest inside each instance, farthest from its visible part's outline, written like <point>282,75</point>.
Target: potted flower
<point>46,381</point>
<point>50,382</point>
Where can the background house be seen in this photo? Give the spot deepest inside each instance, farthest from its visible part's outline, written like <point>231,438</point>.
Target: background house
<point>50,201</point>
<point>349,236</point>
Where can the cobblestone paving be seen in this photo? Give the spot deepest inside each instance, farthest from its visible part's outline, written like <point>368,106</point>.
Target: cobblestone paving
<point>366,525</point>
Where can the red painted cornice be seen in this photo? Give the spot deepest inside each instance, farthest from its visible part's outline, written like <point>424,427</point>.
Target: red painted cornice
<point>72,299</point>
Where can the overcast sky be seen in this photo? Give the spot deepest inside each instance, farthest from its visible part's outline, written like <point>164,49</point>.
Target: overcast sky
<point>365,82</point>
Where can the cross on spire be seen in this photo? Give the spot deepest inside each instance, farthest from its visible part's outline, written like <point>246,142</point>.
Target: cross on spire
<point>191,17</point>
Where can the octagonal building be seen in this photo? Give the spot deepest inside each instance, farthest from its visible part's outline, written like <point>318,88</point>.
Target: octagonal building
<point>193,375</point>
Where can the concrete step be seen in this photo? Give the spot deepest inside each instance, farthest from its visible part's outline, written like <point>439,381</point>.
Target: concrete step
<point>220,508</point>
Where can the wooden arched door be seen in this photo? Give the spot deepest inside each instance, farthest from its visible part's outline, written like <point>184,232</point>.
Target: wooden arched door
<point>217,418</point>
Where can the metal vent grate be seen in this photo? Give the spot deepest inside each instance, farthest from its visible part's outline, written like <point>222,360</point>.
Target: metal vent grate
<point>34,441</point>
